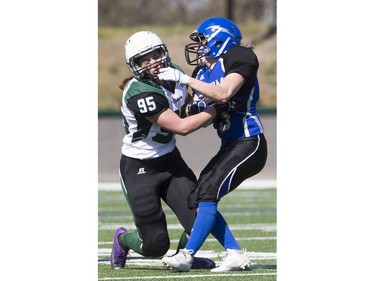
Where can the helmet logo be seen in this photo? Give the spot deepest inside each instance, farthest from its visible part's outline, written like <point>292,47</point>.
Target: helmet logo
<point>215,30</point>
<point>143,48</point>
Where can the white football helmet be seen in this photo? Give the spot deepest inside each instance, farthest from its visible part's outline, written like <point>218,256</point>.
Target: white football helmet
<point>140,44</point>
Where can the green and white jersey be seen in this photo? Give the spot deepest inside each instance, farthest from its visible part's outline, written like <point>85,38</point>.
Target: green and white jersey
<point>144,139</point>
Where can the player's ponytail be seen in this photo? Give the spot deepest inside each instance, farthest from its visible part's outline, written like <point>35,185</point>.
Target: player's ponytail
<point>124,82</point>
<point>250,46</point>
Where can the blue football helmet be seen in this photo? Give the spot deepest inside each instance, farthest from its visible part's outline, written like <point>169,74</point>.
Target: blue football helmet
<point>213,38</point>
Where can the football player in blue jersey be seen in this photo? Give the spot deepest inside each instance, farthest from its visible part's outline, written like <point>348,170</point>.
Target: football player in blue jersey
<point>226,71</point>
<point>151,166</point>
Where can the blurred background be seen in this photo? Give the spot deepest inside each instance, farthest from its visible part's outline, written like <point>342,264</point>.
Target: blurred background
<point>173,21</point>
<point>124,13</point>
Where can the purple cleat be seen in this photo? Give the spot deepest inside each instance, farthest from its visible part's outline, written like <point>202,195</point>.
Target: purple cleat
<point>118,254</point>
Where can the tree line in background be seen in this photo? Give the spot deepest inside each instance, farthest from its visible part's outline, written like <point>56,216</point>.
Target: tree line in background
<point>123,13</point>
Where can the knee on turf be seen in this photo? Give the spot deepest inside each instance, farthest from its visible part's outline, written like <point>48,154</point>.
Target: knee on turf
<point>156,245</point>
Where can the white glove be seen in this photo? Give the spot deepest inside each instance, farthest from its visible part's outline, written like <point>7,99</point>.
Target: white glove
<point>172,74</point>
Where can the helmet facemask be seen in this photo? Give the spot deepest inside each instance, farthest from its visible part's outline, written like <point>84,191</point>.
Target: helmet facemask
<point>143,73</point>
<point>195,52</point>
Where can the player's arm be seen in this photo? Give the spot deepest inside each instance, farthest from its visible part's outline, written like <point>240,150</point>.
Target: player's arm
<point>240,63</point>
<point>220,93</point>
<point>155,108</point>
<point>170,121</point>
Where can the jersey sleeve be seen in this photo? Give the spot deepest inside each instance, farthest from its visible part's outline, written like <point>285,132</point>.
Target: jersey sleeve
<point>148,104</point>
<point>241,60</point>
<point>196,70</point>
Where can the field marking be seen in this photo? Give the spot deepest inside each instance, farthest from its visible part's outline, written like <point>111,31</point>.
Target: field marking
<point>129,218</point>
<point>201,253</point>
<point>255,226</point>
<point>139,260</point>
<point>188,276</point>
<point>135,259</point>
<point>208,240</point>
<point>247,184</point>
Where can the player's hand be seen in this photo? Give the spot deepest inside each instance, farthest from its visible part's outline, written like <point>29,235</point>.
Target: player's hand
<point>172,74</point>
<point>199,105</point>
<point>196,107</point>
<point>228,106</point>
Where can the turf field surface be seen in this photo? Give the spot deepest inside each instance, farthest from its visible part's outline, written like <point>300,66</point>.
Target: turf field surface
<point>250,212</point>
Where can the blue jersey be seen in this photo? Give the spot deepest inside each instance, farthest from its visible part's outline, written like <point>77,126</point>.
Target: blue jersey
<point>245,122</point>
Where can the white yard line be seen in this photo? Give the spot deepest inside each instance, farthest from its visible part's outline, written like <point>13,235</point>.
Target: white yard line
<point>187,276</point>
<point>255,226</point>
<point>247,184</point>
<point>209,240</point>
<point>201,253</point>
<point>137,259</point>
<point>128,219</point>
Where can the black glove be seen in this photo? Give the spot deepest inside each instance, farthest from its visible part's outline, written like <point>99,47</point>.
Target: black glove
<point>199,106</point>
<point>229,106</point>
<point>196,107</point>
